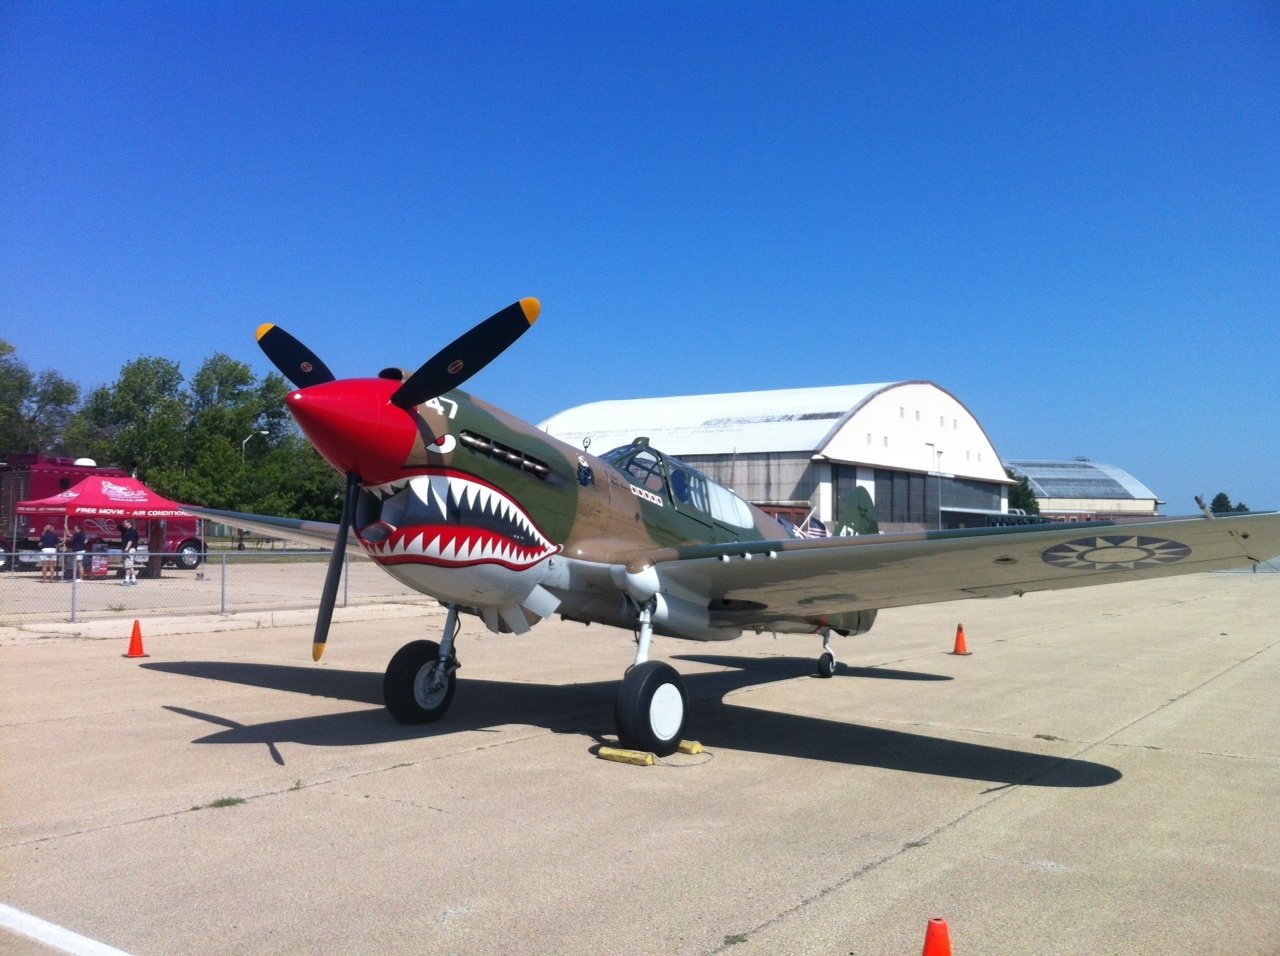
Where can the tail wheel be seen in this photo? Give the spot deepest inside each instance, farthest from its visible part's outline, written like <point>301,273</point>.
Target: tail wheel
<point>827,665</point>
<point>652,708</point>
<point>418,687</point>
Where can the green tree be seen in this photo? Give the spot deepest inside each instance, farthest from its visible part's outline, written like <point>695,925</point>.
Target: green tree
<point>295,481</point>
<point>1220,504</point>
<point>1021,495</point>
<point>237,424</point>
<point>225,440</point>
<point>139,422</point>
<point>34,409</point>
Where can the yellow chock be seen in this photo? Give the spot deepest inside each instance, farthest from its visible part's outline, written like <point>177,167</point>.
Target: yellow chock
<point>641,758</point>
<point>689,747</point>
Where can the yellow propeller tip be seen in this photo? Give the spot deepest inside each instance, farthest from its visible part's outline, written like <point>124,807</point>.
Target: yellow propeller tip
<point>317,651</point>
<point>263,329</point>
<point>531,308</point>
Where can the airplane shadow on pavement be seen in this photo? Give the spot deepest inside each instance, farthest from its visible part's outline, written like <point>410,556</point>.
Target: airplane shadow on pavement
<point>586,708</point>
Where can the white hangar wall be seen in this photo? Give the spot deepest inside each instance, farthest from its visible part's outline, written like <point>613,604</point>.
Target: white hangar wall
<point>796,451</point>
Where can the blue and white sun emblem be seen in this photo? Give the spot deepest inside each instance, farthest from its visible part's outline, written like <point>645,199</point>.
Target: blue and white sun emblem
<point>1114,552</point>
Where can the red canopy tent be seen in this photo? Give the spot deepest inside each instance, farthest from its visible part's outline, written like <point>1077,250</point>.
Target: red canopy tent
<point>99,500</point>
<point>97,496</point>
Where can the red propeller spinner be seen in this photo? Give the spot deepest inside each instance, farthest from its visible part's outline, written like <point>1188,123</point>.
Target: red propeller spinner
<point>355,427</point>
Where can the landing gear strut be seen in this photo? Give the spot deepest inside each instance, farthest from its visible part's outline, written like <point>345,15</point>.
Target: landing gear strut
<point>652,703</point>
<point>421,677</point>
<point>827,662</point>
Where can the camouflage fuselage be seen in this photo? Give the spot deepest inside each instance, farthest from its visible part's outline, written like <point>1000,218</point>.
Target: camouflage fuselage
<point>468,503</point>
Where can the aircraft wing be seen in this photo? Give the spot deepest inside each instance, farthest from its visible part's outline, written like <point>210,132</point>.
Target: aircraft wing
<point>809,580</point>
<point>310,533</point>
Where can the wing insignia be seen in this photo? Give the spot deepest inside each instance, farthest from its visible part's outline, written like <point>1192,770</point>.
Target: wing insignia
<point>1114,552</point>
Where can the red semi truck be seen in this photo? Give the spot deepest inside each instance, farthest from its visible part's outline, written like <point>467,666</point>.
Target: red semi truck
<point>31,477</point>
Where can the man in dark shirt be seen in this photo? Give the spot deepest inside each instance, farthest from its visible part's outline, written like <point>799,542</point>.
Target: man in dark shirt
<point>79,542</point>
<point>129,548</point>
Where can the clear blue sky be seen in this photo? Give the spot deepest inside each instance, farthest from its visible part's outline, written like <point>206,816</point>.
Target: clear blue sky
<point>1068,215</point>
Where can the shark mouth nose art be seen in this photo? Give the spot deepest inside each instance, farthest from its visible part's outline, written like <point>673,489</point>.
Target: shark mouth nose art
<point>448,519</point>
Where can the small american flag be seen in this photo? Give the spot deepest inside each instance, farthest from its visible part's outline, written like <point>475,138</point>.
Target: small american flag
<point>814,528</point>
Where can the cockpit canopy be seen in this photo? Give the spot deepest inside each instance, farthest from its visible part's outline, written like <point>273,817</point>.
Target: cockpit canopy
<point>684,486</point>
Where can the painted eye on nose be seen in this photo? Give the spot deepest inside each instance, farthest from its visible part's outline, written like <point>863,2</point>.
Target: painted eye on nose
<point>444,444</point>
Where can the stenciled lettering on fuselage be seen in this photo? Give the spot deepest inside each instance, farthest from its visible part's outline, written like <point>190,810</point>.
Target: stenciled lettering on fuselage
<point>648,496</point>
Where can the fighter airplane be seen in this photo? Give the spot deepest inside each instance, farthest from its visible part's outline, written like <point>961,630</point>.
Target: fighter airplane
<point>466,503</point>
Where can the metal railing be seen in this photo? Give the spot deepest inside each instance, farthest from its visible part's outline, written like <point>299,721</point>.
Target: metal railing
<point>224,582</point>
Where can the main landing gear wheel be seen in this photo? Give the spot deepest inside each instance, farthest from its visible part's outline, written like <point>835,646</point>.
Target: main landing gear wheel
<point>418,686</point>
<point>651,709</point>
<point>827,665</point>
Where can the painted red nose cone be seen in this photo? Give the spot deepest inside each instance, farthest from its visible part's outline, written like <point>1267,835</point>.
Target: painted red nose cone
<point>355,427</point>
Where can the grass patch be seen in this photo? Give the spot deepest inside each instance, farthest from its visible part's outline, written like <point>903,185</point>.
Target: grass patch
<point>221,802</point>
<point>915,844</point>
<point>1048,737</point>
<point>735,939</point>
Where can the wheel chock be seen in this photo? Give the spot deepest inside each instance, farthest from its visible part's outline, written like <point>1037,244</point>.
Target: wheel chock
<point>640,758</point>
<point>689,747</point>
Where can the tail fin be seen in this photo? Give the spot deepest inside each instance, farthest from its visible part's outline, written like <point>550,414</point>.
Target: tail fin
<point>857,514</point>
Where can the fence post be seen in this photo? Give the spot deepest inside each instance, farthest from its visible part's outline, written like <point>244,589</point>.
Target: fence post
<point>75,587</point>
<point>223,607</point>
<point>346,577</point>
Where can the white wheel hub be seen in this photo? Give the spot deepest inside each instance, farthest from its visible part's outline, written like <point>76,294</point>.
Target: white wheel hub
<point>427,695</point>
<point>666,711</point>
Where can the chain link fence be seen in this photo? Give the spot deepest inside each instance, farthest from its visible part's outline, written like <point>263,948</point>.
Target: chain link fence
<point>224,582</point>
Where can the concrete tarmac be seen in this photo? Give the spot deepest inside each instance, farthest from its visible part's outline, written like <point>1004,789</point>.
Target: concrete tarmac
<point>1100,776</point>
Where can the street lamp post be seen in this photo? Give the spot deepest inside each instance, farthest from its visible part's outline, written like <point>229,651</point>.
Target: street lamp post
<point>937,461</point>
<point>246,441</point>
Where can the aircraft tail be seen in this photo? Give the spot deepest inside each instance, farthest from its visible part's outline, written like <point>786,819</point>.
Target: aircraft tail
<point>857,514</point>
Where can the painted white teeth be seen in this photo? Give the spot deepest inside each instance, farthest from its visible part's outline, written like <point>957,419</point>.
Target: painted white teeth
<point>445,499</point>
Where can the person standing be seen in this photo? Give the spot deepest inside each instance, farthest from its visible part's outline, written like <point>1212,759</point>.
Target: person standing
<point>129,549</point>
<point>79,542</point>
<point>49,554</point>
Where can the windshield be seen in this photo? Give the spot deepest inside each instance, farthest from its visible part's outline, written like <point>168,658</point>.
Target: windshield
<point>687,487</point>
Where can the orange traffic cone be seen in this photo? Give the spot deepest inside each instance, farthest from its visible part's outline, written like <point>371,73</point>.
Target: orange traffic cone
<point>135,642</point>
<point>962,646</point>
<point>937,938</point>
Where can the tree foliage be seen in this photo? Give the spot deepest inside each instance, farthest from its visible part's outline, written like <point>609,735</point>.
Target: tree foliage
<point>1021,495</point>
<point>34,409</point>
<point>1221,504</point>
<point>223,439</point>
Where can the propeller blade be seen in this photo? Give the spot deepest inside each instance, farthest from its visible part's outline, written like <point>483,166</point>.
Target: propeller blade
<point>331,578</point>
<point>467,354</point>
<point>295,361</point>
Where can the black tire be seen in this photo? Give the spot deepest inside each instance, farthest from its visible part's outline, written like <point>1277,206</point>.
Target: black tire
<point>188,556</point>
<point>827,665</point>
<point>652,708</point>
<point>406,685</point>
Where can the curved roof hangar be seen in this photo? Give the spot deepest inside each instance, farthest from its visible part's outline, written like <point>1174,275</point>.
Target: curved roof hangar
<point>912,426</point>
